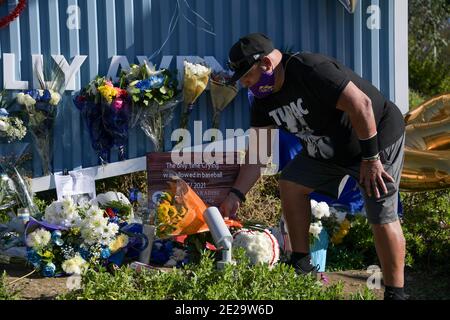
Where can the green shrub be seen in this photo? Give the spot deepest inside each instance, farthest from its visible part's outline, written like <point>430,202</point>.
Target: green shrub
<point>123,183</point>
<point>7,293</point>
<point>357,251</point>
<point>428,46</point>
<point>426,226</point>
<point>203,281</point>
<point>415,99</point>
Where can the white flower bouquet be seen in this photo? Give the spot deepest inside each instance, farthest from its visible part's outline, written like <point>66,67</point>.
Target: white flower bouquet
<point>329,218</point>
<point>72,238</point>
<point>11,128</point>
<point>196,78</point>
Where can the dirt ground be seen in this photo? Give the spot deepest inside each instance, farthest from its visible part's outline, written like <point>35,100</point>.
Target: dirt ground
<point>420,285</point>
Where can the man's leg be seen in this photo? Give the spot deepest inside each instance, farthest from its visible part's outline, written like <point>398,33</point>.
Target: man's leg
<point>382,216</point>
<point>390,246</point>
<point>301,172</point>
<point>296,206</point>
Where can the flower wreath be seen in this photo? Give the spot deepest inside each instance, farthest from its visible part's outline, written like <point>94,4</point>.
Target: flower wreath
<point>273,240</point>
<point>5,21</point>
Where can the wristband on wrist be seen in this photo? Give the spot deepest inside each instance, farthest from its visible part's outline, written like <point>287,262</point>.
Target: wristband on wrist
<point>371,159</point>
<point>369,148</point>
<point>239,194</point>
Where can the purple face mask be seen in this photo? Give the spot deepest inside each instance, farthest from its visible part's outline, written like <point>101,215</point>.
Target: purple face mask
<point>264,86</point>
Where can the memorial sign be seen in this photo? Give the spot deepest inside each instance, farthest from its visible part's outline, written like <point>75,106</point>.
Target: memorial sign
<point>209,178</point>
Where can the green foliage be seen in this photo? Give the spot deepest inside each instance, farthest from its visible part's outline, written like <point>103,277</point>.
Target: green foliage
<point>123,183</point>
<point>203,281</point>
<point>357,251</point>
<point>7,293</point>
<point>428,46</point>
<point>340,258</point>
<point>41,204</point>
<point>426,226</point>
<point>7,198</point>
<point>367,294</point>
<point>415,99</point>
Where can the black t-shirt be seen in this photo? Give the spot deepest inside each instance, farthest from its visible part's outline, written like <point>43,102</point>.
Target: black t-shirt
<point>306,107</point>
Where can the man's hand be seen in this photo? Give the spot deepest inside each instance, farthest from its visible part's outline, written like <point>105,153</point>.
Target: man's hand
<point>371,177</point>
<point>230,206</point>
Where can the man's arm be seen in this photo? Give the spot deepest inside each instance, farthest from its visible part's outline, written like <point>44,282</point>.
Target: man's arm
<point>359,108</point>
<point>249,173</point>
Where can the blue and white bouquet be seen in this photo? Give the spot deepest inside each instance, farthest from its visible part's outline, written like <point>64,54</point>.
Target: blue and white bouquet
<point>72,238</point>
<point>11,128</point>
<point>154,95</point>
<point>41,107</point>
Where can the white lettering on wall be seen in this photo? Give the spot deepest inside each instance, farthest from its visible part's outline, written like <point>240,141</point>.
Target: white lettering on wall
<point>9,74</point>
<point>70,70</point>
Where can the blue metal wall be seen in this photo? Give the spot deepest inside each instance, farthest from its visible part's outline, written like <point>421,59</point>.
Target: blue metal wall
<point>139,27</point>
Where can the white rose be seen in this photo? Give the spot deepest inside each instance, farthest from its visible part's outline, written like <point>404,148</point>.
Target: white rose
<point>315,229</point>
<point>4,125</point>
<point>320,210</point>
<point>56,98</point>
<point>21,98</point>
<point>29,101</point>
<point>196,69</point>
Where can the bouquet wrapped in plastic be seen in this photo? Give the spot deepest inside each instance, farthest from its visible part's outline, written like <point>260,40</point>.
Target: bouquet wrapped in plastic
<point>11,156</point>
<point>154,95</point>
<point>105,110</point>
<point>179,211</point>
<point>196,78</point>
<point>11,128</point>
<point>221,94</point>
<point>42,109</point>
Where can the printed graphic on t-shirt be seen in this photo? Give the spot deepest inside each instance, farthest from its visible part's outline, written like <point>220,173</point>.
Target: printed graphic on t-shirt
<point>292,117</point>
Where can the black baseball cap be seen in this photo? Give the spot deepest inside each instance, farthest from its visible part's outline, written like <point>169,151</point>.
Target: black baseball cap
<point>246,52</point>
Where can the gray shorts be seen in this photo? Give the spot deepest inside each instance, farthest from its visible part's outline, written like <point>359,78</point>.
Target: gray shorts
<point>325,178</point>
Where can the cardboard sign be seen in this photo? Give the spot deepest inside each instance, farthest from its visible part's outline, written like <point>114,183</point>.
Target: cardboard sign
<point>211,181</point>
